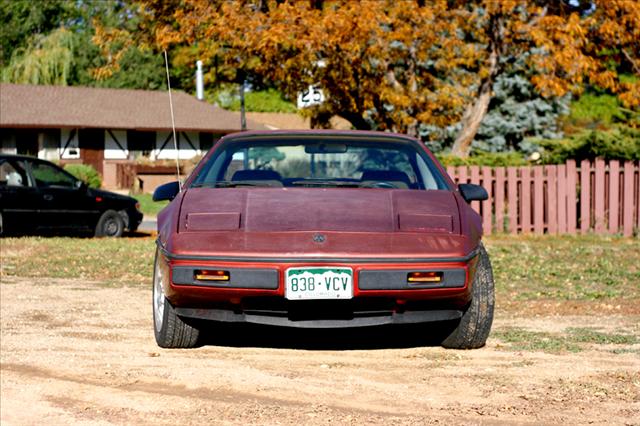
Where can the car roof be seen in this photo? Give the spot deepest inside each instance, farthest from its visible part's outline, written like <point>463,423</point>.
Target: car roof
<point>361,135</point>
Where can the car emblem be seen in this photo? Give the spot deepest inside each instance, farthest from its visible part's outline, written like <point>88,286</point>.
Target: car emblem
<point>318,238</point>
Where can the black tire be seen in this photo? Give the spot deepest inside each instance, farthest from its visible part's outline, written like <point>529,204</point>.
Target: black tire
<point>170,330</point>
<point>110,224</point>
<point>473,329</point>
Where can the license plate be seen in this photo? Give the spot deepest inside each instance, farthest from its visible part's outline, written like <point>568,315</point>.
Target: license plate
<point>318,283</point>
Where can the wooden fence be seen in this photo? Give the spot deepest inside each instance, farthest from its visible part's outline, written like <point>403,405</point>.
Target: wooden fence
<point>570,198</point>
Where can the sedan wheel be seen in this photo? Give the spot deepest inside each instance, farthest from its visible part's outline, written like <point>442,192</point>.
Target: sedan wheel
<point>110,224</point>
<point>170,330</point>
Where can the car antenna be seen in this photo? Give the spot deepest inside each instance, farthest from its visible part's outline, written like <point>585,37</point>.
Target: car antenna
<point>173,122</point>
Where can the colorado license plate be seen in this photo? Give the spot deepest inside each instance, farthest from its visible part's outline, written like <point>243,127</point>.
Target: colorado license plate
<point>318,283</point>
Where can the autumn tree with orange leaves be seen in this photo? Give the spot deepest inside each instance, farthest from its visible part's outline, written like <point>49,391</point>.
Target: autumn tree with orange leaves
<point>394,65</point>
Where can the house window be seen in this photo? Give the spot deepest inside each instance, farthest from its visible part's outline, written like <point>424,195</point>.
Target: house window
<point>207,140</point>
<point>140,143</point>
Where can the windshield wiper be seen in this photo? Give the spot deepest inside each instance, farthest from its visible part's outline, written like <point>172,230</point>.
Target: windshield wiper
<point>325,182</point>
<point>228,184</point>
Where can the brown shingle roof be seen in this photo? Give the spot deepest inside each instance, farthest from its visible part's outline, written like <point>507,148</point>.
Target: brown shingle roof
<point>77,107</point>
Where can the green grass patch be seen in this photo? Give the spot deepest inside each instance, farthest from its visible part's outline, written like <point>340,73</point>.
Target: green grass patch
<point>126,261</point>
<point>572,340</point>
<point>519,339</point>
<point>565,268</point>
<point>148,206</point>
<point>589,335</point>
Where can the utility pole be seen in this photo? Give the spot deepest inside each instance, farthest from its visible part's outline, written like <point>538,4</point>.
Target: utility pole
<point>243,117</point>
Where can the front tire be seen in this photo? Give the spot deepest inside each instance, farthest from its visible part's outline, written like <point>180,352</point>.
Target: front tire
<point>169,329</point>
<point>110,224</point>
<point>473,329</point>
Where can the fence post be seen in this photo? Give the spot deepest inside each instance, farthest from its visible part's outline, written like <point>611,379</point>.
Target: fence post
<point>585,196</point>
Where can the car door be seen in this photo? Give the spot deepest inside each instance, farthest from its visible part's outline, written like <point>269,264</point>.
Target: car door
<point>18,197</point>
<point>62,201</point>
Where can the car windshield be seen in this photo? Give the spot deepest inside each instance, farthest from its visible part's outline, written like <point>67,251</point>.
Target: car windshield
<point>345,162</point>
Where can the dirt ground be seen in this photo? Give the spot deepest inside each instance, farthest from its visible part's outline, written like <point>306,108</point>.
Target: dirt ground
<point>79,353</point>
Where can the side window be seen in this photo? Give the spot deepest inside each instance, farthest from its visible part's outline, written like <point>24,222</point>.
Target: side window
<point>47,175</point>
<point>13,174</point>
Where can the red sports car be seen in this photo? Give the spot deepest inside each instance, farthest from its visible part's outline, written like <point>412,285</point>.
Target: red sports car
<point>320,229</point>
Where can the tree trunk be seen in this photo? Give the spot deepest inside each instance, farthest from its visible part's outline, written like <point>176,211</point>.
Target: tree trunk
<point>476,111</point>
<point>471,121</point>
<point>356,120</point>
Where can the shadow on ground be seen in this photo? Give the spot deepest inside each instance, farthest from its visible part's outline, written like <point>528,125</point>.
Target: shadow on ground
<point>381,337</point>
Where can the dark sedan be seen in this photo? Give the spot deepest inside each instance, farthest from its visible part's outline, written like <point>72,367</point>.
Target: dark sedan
<point>37,195</point>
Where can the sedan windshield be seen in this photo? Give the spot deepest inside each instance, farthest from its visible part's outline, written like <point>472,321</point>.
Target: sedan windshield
<point>320,163</point>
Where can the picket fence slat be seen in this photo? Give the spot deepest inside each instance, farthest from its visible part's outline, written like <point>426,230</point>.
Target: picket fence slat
<point>512,199</point>
<point>487,216</point>
<point>551,200</point>
<point>499,199</point>
<point>585,196</point>
<point>600,197</point>
<point>614,198</point>
<point>562,184</point>
<point>538,200</point>
<point>572,197</point>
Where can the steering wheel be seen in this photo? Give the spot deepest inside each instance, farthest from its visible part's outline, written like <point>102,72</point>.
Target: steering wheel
<point>379,184</point>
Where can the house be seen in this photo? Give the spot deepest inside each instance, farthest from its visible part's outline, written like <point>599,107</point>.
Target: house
<point>107,127</point>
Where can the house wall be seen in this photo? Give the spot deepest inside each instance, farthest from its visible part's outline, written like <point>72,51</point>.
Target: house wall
<point>188,144</point>
<point>115,145</point>
<point>69,147</point>
<point>63,145</point>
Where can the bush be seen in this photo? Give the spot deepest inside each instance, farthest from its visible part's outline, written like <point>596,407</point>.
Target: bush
<point>492,159</point>
<point>620,143</point>
<point>593,109</point>
<point>85,173</point>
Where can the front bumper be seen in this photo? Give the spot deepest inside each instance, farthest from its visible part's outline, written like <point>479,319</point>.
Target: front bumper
<point>381,294</point>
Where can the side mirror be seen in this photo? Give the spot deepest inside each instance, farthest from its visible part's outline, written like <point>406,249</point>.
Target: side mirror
<point>168,191</point>
<point>471,192</point>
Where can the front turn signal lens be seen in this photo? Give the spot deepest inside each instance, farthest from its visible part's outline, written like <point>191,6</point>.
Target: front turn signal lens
<point>424,277</point>
<point>211,275</point>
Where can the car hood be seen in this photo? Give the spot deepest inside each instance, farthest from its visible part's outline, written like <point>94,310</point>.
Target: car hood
<point>318,222</point>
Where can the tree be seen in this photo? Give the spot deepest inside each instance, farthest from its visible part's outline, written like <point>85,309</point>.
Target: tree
<point>516,114</point>
<point>21,20</point>
<point>52,42</point>
<point>395,66</point>
<point>48,60</point>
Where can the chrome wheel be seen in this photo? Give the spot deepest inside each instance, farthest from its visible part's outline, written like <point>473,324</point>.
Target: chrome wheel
<point>158,297</point>
<point>170,330</point>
